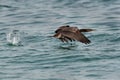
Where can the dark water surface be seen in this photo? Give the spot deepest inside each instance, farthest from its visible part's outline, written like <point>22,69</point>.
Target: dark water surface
<point>40,57</point>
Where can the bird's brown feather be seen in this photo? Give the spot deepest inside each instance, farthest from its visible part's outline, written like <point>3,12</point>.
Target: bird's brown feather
<point>76,36</point>
<point>67,33</point>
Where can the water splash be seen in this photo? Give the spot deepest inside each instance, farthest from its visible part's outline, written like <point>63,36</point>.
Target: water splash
<point>14,38</point>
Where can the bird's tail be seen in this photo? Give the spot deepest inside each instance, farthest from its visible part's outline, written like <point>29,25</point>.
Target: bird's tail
<point>86,30</point>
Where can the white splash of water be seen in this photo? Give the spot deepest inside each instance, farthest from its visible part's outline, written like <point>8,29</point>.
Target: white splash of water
<point>14,38</point>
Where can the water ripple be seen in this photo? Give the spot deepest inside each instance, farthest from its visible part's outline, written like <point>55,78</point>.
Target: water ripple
<point>45,58</point>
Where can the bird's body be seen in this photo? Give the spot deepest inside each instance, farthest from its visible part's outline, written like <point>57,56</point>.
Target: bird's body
<point>67,33</point>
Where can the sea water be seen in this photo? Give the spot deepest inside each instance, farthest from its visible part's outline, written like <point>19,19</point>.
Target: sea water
<point>41,57</point>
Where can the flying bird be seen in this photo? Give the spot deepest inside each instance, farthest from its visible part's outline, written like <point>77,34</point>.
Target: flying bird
<point>68,33</point>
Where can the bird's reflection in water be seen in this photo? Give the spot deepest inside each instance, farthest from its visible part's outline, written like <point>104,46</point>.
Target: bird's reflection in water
<point>68,46</point>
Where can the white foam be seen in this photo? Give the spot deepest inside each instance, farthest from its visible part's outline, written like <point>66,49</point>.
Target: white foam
<point>13,37</point>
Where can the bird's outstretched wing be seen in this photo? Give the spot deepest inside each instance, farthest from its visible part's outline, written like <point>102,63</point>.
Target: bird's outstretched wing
<point>76,36</point>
